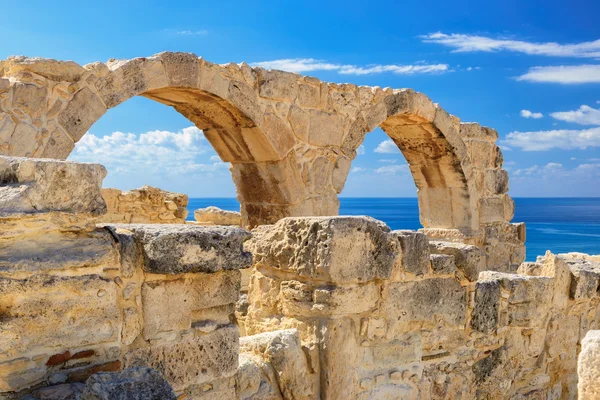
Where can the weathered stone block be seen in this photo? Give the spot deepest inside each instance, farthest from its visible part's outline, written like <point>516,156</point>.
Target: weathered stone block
<point>588,369</point>
<point>83,110</point>
<point>29,185</point>
<point>55,250</point>
<point>471,130</point>
<point>469,259</point>
<point>496,181</point>
<point>423,300</point>
<point>278,85</point>
<point>171,305</point>
<point>484,317</point>
<point>216,216</point>
<point>442,264</point>
<point>48,311</point>
<point>415,251</point>
<point>325,129</point>
<point>338,249</point>
<point>194,360</point>
<point>176,249</point>
<point>138,383</point>
<point>282,351</point>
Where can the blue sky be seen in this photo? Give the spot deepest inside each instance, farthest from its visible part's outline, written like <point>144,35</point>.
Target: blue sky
<point>531,71</point>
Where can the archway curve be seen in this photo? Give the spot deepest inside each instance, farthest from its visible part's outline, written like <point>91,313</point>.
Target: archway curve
<point>290,138</point>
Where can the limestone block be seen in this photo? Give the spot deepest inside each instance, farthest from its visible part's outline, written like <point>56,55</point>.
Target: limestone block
<point>442,264</point>
<point>496,181</point>
<point>529,297</point>
<point>484,317</point>
<point>138,383</point>
<point>215,216</point>
<point>491,209</point>
<point>423,300</point>
<point>299,121</point>
<point>63,391</point>
<point>29,185</point>
<point>58,251</point>
<point>282,350</point>
<point>172,305</point>
<point>309,95</point>
<point>29,98</point>
<point>337,249</point>
<point>340,173</point>
<point>181,68</point>
<point>52,69</point>
<point>129,250</point>
<point>176,249</point>
<point>81,112</point>
<point>588,368</point>
<point>415,251</point>
<point>298,299</point>
<point>219,389</point>
<point>278,85</point>
<point>481,153</point>
<point>471,130</point>
<point>194,360</point>
<point>469,259</point>
<point>584,282</point>
<point>325,129</point>
<point>279,134</point>
<point>47,311</point>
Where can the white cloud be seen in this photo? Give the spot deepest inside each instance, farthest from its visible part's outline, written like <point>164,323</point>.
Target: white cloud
<point>392,169</point>
<point>387,147</point>
<point>585,115</point>
<point>215,158</point>
<point>471,43</point>
<point>554,139</point>
<point>388,161</point>
<point>529,114</point>
<point>357,169</point>
<point>154,152</point>
<point>189,32</point>
<point>556,170</point>
<point>505,148</point>
<point>310,64</point>
<point>566,74</point>
<point>360,150</point>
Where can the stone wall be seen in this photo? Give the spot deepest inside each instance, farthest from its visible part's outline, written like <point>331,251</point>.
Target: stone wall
<point>77,298</point>
<point>391,314</point>
<point>588,367</point>
<point>146,205</point>
<point>290,138</point>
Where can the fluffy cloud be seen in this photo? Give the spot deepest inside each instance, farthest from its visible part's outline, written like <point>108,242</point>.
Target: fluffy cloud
<point>387,161</point>
<point>357,169</point>
<point>387,147</point>
<point>392,169</point>
<point>585,115</point>
<point>360,150</point>
<point>154,152</point>
<point>554,139</point>
<point>471,43</point>
<point>529,114</point>
<point>566,74</point>
<point>310,64</point>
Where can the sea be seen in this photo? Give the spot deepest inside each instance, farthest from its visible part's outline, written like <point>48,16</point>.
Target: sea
<point>557,224</point>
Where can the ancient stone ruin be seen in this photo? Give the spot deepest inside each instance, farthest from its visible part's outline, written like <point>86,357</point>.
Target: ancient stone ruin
<point>106,294</point>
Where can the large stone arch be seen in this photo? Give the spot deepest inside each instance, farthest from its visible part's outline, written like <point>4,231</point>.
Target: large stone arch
<point>290,138</point>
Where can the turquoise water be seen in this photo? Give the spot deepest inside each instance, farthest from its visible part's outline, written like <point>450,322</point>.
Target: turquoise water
<point>556,224</point>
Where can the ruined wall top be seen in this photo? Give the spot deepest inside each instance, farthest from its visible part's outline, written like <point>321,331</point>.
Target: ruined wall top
<point>290,138</point>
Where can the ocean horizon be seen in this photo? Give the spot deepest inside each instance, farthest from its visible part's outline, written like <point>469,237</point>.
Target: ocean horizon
<point>558,224</point>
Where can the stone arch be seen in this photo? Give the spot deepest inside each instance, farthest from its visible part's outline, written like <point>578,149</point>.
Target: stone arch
<point>221,100</point>
<point>429,139</point>
<point>290,138</point>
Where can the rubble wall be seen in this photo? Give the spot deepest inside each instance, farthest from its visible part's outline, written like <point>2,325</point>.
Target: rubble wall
<point>146,205</point>
<point>391,314</point>
<point>78,298</point>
